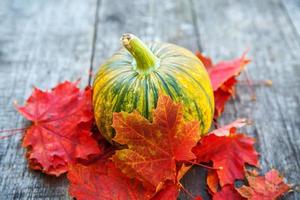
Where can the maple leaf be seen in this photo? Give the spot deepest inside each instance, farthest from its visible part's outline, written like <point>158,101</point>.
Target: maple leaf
<point>225,130</point>
<point>222,96</point>
<point>223,78</point>
<point>227,192</point>
<point>271,186</point>
<point>169,192</point>
<point>226,70</point>
<point>207,62</point>
<point>228,153</point>
<point>154,148</point>
<point>183,169</point>
<point>102,180</point>
<point>60,131</point>
<point>212,181</point>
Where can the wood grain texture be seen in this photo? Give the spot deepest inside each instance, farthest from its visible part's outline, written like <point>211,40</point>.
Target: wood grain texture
<point>292,10</point>
<point>44,42</point>
<point>41,44</point>
<point>265,28</point>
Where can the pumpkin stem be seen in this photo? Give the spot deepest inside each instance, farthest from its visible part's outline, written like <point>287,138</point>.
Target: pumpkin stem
<point>146,61</point>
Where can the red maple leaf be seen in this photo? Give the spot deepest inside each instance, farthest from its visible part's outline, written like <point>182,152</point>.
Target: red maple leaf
<point>222,96</point>
<point>169,192</point>
<point>207,62</point>
<point>102,180</point>
<point>60,131</point>
<point>228,154</point>
<point>227,192</point>
<point>269,187</point>
<point>154,148</point>
<point>223,78</point>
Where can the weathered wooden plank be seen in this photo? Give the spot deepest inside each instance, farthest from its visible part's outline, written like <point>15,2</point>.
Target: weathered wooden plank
<point>42,43</point>
<point>226,29</point>
<point>170,21</point>
<point>58,36</point>
<point>292,7</point>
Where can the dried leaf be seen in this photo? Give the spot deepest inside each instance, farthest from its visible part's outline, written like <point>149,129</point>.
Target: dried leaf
<point>223,78</point>
<point>154,148</point>
<point>169,192</point>
<point>228,153</point>
<point>102,180</point>
<point>225,130</point>
<point>212,181</point>
<point>222,96</point>
<point>269,187</point>
<point>60,131</point>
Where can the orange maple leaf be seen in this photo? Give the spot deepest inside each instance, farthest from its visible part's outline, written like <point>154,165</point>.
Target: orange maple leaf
<point>271,186</point>
<point>212,181</point>
<point>154,148</point>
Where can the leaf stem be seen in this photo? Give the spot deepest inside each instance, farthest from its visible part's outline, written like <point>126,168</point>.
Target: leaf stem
<point>186,191</point>
<point>205,166</point>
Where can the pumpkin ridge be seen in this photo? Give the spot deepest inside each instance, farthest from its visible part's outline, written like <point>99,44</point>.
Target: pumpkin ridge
<point>200,114</point>
<point>202,89</point>
<point>165,85</point>
<point>123,92</point>
<point>106,87</point>
<point>99,76</point>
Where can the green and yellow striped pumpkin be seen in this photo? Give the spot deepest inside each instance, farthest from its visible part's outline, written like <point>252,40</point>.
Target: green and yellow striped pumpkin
<point>134,76</point>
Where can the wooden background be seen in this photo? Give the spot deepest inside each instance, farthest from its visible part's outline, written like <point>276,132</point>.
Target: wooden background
<point>45,42</point>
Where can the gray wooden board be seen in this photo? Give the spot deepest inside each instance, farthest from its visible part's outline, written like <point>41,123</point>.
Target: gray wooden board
<point>292,10</point>
<point>265,28</point>
<point>44,42</point>
<point>41,44</point>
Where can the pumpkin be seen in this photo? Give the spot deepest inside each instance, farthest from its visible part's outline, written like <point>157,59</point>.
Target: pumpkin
<point>134,76</point>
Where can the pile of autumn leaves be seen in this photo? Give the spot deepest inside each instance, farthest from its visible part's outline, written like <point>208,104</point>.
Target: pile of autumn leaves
<point>63,139</point>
